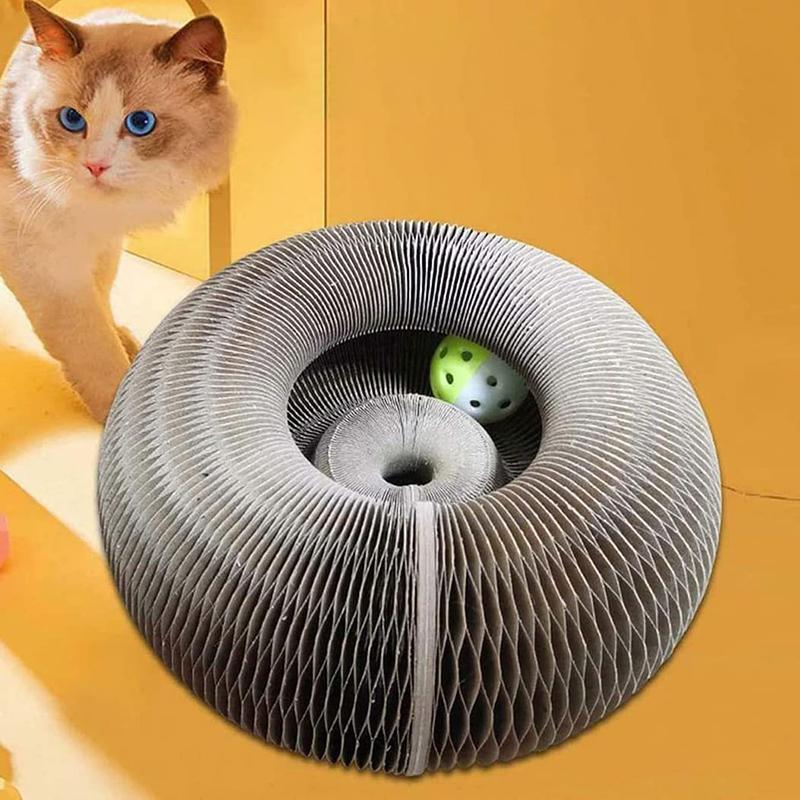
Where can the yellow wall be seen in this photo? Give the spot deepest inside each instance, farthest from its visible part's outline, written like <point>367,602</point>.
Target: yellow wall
<point>655,144</point>
<point>276,67</point>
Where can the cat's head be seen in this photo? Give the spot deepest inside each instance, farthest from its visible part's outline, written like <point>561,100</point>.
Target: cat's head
<point>123,110</point>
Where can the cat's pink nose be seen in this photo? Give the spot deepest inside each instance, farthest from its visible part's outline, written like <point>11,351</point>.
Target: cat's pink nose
<point>97,168</point>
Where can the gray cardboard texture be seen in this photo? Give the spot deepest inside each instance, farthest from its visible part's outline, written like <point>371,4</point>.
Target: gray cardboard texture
<point>351,569</point>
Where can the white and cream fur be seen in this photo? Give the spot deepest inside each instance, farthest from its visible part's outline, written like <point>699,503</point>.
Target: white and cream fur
<point>61,227</point>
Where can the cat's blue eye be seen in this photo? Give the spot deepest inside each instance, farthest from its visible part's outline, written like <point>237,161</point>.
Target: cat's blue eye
<point>71,119</point>
<point>140,123</point>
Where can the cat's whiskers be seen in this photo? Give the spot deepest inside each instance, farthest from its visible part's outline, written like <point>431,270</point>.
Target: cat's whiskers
<point>22,187</point>
<point>163,191</point>
<point>23,184</point>
<point>128,171</point>
<point>32,210</point>
<point>23,180</point>
<point>38,203</point>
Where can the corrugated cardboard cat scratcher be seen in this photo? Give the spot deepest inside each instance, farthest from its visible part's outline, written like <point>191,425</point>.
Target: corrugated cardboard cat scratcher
<point>354,570</point>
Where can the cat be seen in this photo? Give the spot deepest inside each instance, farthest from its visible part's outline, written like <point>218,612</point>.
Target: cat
<point>108,124</point>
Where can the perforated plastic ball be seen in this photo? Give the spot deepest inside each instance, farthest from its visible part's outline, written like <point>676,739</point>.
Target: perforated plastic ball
<point>476,381</point>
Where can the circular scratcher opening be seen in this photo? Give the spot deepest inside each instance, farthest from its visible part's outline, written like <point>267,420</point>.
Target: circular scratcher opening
<point>392,363</point>
<point>409,472</point>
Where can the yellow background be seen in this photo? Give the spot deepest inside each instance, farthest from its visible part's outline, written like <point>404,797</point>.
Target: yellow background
<point>656,144</point>
<point>653,143</point>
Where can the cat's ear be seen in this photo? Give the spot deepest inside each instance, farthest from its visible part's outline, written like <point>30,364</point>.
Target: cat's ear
<point>58,38</point>
<point>200,44</point>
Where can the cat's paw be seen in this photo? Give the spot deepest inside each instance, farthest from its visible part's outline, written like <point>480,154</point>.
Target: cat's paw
<point>98,402</point>
<point>129,342</point>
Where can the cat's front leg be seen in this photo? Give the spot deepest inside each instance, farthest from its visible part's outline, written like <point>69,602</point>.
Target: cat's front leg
<point>79,333</point>
<point>74,323</point>
<point>105,272</point>
<point>129,341</point>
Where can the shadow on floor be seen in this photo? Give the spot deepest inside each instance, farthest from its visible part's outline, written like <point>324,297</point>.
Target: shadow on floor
<point>6,768</point>
<point>63,620</point>
<point>35,400</point>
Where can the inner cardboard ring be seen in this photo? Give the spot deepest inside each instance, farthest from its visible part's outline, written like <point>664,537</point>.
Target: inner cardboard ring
<point>395,362</point>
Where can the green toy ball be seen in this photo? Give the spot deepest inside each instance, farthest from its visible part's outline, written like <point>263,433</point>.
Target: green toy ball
<point>476,381</point>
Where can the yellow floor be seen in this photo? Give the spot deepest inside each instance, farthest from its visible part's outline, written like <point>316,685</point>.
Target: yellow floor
<point>44,430</point>
<point>86,710</point>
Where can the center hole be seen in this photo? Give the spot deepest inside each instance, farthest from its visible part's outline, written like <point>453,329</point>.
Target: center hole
<point>408,472</point>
